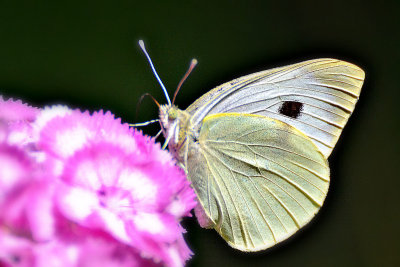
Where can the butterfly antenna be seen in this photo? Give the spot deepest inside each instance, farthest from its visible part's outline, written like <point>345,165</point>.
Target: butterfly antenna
<point>137,111</point>
<point>141,44</point>
<point>141,99</point>
<point>193,64</point>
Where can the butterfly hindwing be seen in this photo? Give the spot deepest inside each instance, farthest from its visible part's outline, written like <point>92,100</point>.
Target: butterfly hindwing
<point>317,97</point>
<point>258,179</point>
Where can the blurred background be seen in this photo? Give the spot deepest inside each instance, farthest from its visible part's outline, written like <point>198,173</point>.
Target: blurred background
<point>85,54</point>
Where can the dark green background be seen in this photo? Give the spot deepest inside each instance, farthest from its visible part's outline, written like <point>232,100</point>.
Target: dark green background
<point>85,54</point>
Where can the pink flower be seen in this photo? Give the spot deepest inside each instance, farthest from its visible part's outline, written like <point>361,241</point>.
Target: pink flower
<point>83,189</point>
<point>127,194</point>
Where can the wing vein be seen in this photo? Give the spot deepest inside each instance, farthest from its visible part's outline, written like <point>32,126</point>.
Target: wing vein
<point>264,145</point>
<point>223,199</point>
<point>241,194</point>
<point>284,178</point>
<point>297,186</point>
<point>242,228</point>
<point>318,91</point>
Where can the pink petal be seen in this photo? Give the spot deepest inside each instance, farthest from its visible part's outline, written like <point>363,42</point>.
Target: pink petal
<point>108,253</point>
<point>15,250</point>
<point>39,211</point>
<point>49,113</point>
<point>16,168</point>
<point>29,211</point>
<point>63,136</point>
<point>95,166</point>
<point>76,203</point>
<point>56,253</point>
<point>14,110</point>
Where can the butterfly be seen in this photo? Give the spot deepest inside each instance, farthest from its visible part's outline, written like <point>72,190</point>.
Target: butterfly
<point>255,149</point>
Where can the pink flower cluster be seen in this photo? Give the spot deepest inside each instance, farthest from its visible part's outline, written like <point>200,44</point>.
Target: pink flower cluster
<point>81,189</point>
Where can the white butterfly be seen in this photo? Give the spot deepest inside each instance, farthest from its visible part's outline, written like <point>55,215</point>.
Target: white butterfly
<point>256,148</point>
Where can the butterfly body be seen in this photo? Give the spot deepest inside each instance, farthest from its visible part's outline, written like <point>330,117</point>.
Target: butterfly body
<point>178,129</point>
<point>256,148</point>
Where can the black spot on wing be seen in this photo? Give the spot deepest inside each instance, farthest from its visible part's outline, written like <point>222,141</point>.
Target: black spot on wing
<point>291,109</point>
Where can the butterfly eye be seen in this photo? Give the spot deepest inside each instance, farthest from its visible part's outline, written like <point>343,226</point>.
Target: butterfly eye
<point>172,114</point>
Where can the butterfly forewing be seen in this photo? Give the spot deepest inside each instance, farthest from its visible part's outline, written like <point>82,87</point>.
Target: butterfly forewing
<point>258,179</point>
<point>317,97</point>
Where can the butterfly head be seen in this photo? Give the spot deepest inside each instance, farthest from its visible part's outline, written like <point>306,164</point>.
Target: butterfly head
<point>174,124</point>
<point>168,115</point>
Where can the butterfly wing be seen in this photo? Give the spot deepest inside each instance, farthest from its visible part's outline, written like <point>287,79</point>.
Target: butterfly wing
<point>258,179</point>
<point>317,97</point>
